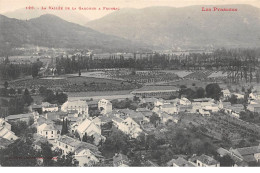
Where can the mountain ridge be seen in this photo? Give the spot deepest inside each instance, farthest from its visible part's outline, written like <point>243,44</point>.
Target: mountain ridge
<point>52,31</point>
<point>170,27</point>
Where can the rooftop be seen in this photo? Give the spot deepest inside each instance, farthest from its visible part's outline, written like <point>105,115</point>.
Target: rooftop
<point>19,116</point>
<point>248,150</point>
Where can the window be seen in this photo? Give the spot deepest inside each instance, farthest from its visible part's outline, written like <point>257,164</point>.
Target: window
<point>46,133</point>
<point>51,132</point>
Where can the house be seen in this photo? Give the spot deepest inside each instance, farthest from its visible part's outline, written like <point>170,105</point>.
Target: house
<point>7,134</point>
<point>151,101</point>
<point>169,108</point>
<point>237,160</point>
<point>226,93</point>
<point>222,152</point>
<point>239,96</point>
<point>146,112</point>
<point>120,160</point>
<point>204,161</point>
<point>5,124</point>
<point>80,106</point>
<point>234,110</point>
<point>49,131</point>
<point>247,154</point>
<point>36,108</point>
<point>92,104</point>
<point>223,105</point>
<point>165,118</point>
<point>254,108</point>
<point>4,143</point>
<point>21,117</point>
<point>86,154</point>
<point>204,112</point>
<point>105,106</point>
<point>38,140</point>
<point>184,101</point>
<point>201,103</point>
<point>180,162</point>
<point>47,107</point>
<point>90,128</point>
<point>184,108</point>
<point>212,108</point>
<point>128,126</point>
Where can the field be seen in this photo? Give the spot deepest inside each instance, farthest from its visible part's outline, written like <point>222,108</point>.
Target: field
<point>69,83</point>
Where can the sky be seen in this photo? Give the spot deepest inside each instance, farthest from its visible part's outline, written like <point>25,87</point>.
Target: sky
<point>11,5</point>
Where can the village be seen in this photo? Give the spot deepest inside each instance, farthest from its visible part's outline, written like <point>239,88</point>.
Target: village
<point>145,129</point>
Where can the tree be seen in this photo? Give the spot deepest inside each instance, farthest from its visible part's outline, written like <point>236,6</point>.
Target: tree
<point>65,160</point>
<point>47,154</point>
<point>35,70</point>
<point>12,91</point>
<point>64,129</point>
<point>19,153</point>
<point>27,97</point>
<point>77,135</point>
<point>226,161</point>
<point>155,119</point>
<point>116,142</point>
<point>18,127</point>
<point>200,92</point>
<point>91,139</point>
<point>233,99</point>
<point>61,98</point>
<point>6,84</point>
<point>85,138</point>
<point>213,91</point>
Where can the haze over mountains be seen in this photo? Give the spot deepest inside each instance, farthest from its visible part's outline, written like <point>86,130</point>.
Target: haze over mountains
<point>138,29</point>
<point>187,27</point>
<point>52,31</point>
<point>70,16</point>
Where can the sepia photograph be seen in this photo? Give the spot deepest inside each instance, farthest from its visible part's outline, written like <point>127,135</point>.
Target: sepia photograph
<point>129,83</point>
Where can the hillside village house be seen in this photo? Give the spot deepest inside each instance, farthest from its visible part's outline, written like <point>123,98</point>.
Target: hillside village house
<point>184,101</point>
<point>47,107</point>
<point>204,161</point>
<point>203,103</point>
<point>128,126</point>
<point>5,131</point>
<point>166,118</point>
<point>90,128</point>
<point>234,110</point>
<point>5,124</point>
<point>21,117</point>
<point>105,106</point>
<point>86,154</point>
<point>254,108</point>
<point>120,160</point>
<point>239,96</point>
<point>180,162</point>
<point>226,93</point>
<point>80,106</point>
<point>148,101</point>
<point>247,154</point>
<point>4,143</point>
<point>169,108</point>
<point>48,131</point>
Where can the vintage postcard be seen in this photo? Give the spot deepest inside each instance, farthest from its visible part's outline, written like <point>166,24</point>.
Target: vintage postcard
<point>129,83</point>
